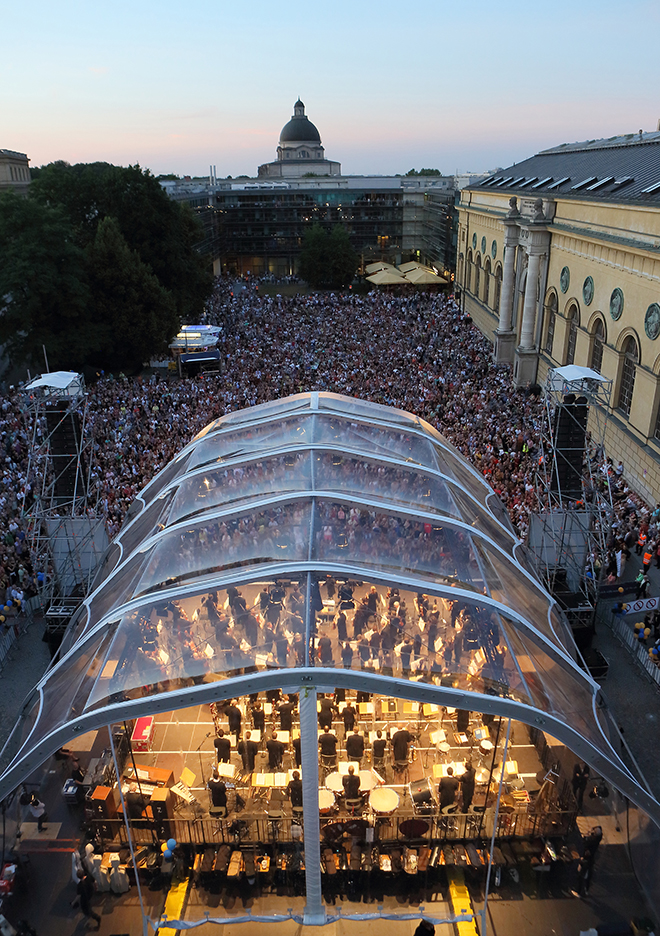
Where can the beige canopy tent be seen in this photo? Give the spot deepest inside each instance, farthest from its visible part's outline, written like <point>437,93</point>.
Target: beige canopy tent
<point>422,276</point>
<point>380,265</point>
<point>411,265</point>
<point>388,278</point>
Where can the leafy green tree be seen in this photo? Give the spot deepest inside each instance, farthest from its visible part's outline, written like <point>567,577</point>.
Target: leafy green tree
<point>343,259</point>
<point>98,265</point>
<point>44,286</point>
<point>423,172</point>
<point>134,312</point>
<point>162,231</point>
<point>327,260</point>
<point>312,264</point>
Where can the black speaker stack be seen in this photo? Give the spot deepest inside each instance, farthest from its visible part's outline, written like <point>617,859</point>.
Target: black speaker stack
<point>570,432</point>
<point>64,436</point>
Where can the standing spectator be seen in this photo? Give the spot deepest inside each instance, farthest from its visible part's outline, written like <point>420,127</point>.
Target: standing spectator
<point>38,811</point>
<point>467,786</point>
<point>234,717</point>
<point>223,747</point>
<point>579,782</point>
<point>447,789</point>
<point>248,750</point>
<point>85,889</point>
<point>275,750</point>
<point>586,864</point>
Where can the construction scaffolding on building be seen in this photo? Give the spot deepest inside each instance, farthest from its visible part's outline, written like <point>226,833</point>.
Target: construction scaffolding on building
<point>568,533</point>
<point>66,532</point>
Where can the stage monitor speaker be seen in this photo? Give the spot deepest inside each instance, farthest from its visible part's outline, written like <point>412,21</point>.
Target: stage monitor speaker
<point>64,437</point>
<point>570,439</point>
<point>162,811</point>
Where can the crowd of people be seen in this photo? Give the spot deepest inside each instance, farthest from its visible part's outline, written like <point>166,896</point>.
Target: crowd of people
<point>416,352</point>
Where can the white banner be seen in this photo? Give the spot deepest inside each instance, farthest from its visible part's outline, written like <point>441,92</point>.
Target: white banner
<point>642,605</point>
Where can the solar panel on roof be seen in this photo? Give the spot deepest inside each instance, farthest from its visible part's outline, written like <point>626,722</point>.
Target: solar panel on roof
<point>651,188</point>
<point>515,181</point>
<point>623,180</point>
<point>529,181</point>
<point>542,182</point>
<point>559,182</point>
<point>599,183</point>
<point>579,185</point>
<point>504,181</point>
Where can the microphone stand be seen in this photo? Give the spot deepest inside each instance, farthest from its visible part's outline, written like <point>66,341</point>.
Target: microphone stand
<point>198,751</point>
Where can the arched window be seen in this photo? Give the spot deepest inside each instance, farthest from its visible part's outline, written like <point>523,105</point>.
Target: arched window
<point>487,280</point>
<point>572,335</point>
<point>597,346</point>
<point>656,433</point>
<point>477,275</point>
<point>498,287</point>
<point>468,281</point>
<point>628,371</point>
<point>550,316</point>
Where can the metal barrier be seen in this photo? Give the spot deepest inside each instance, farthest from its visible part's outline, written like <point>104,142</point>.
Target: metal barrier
<point>627,637</point>
<point>246,829</point>
<point>15,626</point>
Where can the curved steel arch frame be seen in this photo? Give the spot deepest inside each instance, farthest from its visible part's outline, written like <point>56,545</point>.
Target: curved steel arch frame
<point>593,745</point>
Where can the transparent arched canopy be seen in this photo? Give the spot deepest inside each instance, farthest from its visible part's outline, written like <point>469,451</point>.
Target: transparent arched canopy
<point>219,581</point>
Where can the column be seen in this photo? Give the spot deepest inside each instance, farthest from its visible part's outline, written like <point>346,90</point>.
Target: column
<point>309,755</point>
<point>505,338</point>
<point>529,305</point>
<point>508,276</point>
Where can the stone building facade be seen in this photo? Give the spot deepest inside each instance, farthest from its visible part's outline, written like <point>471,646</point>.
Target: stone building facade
<point>558,262</point>
<point>14,171</point>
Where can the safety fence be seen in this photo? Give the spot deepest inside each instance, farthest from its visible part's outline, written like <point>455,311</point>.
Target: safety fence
<point>246,829</point>
<point>16,625</point>
<point>627,636</point>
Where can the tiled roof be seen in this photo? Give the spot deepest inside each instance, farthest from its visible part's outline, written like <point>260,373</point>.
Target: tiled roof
<point>620,169</point>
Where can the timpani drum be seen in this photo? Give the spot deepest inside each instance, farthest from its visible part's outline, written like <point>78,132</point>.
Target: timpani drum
<point>367,781</point>
<point>482,775</point>
<point>383,801</point>
<point>326,801</point>
<point>486,747</point>
<point>333,782</point>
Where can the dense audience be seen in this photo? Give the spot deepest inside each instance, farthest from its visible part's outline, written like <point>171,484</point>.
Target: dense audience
<point>417,352</point>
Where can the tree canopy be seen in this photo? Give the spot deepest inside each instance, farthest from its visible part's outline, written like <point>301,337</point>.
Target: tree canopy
<point>327,259</point>
<point>423,172</point>
<point>99,266</point>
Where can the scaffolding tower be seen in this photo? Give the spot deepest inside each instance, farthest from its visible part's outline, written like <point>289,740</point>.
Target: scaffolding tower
<point>568,533</point>
<point>66,533</point>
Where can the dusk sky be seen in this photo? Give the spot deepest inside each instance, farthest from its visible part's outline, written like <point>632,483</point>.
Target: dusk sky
<point>390,86</point>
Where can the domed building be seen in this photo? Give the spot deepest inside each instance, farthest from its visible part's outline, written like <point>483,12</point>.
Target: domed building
<point>299,151</point>
<point>317,655</point>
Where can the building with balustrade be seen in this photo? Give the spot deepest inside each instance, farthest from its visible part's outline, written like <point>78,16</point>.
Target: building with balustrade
<point>559,263</point>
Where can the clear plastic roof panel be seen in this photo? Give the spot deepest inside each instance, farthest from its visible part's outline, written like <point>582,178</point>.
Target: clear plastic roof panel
<point>278,433</point>
<point>415,636</point>
<point>242,482</point>
<point>312,532</point>
<point>278,533</point>
<point>164,644</point>
<point>401,484</point>
<point>373,439</point>
<point>388,541</point>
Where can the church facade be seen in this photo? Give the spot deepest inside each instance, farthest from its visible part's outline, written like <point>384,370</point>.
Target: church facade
<point>558,262</point>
